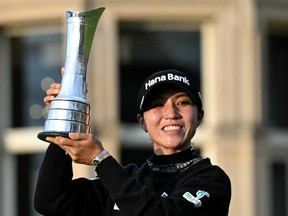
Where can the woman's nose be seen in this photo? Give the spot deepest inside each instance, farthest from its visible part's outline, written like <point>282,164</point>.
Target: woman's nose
<point>171,111</point>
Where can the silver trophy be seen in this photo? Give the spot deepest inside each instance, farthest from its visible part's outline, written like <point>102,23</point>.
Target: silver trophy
<point>70,111</point>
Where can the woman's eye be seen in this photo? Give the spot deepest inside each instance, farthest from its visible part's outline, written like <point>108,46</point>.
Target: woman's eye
<point>184,102</point>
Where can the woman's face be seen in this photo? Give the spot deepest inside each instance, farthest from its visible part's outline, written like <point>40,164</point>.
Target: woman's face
<point>171,120</point>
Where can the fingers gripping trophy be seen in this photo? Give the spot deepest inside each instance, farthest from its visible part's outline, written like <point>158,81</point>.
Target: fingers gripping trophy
<point>70,111</point>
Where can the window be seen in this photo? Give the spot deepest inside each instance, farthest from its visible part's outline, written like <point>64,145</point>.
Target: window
<point>279,189</point>
<point>145,48</point>
<point>36,62</point>
<point>278,79</point>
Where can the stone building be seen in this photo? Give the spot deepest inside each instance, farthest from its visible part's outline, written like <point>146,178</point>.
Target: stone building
<point>236,49</point>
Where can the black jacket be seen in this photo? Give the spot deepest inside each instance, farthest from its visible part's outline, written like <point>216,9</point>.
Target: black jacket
<point>157,188</point>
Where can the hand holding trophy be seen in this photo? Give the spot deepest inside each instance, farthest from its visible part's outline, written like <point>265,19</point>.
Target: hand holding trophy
<point>70,111</point>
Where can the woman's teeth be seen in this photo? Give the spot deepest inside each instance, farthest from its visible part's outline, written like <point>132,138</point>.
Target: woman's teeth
<point>174,127</point>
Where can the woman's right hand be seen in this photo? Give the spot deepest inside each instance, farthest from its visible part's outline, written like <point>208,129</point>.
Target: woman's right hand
<point>53,91</point>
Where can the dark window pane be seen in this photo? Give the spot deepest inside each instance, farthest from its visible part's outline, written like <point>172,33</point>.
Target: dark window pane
<point>36,62</point>
<point>279,189</point>
<point>278,79</point>
<point>28,166</point>
<point>144,50</point>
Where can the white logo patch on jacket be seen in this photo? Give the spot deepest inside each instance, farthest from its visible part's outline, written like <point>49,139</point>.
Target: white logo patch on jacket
<point>196,200</point>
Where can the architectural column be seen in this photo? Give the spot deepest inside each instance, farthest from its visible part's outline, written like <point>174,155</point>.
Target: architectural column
<point>231,93</point>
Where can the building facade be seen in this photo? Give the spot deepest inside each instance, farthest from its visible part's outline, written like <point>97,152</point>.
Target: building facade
<point>237,50</point>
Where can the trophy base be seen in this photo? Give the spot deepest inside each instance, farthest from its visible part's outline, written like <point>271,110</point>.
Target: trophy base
<point>43,135</point>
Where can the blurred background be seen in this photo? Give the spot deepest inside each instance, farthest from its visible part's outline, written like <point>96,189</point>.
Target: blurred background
<point>237,50</point>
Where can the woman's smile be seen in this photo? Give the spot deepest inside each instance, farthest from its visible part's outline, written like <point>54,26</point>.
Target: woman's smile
<point>172,128</point>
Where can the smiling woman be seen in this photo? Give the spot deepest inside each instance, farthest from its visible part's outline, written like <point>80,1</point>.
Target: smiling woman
<point>170,110</point>
<point>171,122</point>
<point>174,180</point>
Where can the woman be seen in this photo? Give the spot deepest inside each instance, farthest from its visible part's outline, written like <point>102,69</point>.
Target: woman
<point>173,181</point>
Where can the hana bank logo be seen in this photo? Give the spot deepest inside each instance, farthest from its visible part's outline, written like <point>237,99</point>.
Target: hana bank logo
<point>169,76</point>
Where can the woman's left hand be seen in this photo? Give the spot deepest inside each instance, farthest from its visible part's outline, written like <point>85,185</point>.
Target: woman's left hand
<point>82,147</point>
